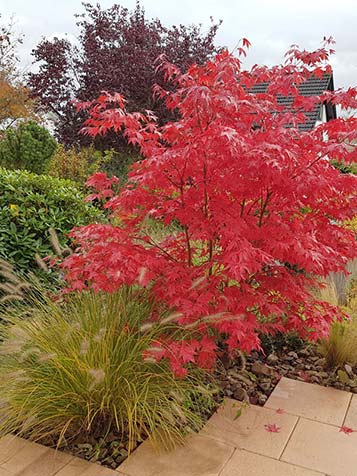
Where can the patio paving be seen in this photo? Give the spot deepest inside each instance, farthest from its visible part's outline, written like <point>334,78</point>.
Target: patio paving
<point>297,433</point>
<point>324,404</point>
<point>248,432</point>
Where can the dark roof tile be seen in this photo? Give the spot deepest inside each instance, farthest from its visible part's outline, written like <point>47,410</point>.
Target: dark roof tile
<point>313,86</point>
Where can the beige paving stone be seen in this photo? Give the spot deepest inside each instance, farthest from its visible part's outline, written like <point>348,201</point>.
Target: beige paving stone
<point>323,448</point>
<point>244,463</point>
<point>47,464</point>
<point>76,467</point>
<point>10,446</point>
<point>249,430</point>
<point>79,467</point>
<point>323,404</point>
<point>351,417</point>
<point>3,472</point>
<point>29,453</point>
<point>97,470</point>
<point>199,457</point>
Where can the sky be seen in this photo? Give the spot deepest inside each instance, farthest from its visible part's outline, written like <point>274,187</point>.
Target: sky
<point>271,26</point>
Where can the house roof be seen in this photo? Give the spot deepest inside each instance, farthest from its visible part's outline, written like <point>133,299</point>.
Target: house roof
<point>313,86</point>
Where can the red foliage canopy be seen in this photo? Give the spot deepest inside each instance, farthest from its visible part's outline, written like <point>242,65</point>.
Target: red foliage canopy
<point>255,208</point>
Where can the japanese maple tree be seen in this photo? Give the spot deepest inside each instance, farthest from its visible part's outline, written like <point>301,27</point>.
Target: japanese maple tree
<point>253,208</point>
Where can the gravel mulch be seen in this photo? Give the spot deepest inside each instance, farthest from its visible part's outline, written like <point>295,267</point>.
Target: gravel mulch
<point>255,379</point>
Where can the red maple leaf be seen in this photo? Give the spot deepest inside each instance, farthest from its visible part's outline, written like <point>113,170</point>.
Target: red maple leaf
<point>246,43</point>
<point>280,411</point>
<point>305,376</point>
<point>277,376</point>
<point>272,428</point>
<point>347,430</point>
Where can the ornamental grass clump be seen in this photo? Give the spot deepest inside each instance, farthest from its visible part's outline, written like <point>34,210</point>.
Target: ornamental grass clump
<point>341,345</point>
<point>83,367</point>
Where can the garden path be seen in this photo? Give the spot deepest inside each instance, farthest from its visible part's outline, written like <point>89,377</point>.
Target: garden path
<point>303,430</point>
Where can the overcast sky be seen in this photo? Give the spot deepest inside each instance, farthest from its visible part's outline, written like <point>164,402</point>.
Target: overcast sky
<point>271,26</point>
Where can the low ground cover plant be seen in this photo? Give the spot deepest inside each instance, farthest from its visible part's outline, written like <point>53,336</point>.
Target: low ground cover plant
<point>30,205</point>
<point>81,367</point>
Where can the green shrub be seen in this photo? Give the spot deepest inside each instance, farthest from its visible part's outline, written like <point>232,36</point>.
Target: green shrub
<point>28,146</point>
<point>345,168</point>
<point>78,165</point>
<point>31,204</point>
<point>79,368</point>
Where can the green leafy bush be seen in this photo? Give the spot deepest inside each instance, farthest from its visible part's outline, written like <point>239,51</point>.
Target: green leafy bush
<point>78,165</point>
<point>79,368</point>
<point>28,146</point>
<point>31,204</point>
<point>345,168</point>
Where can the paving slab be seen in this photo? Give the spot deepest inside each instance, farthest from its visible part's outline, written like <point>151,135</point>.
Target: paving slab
<point>244,463</point>
<point>250,431</point>
<point>10,446</point>
<point>76,467</point>
<point>20,457</point>
<point>3,472</point>
<point>79,467</point>
<point>323,448</point>
<point>200,456</point>
<point>97,470</point>
<point>28,454</point>
<point>47,464</point>
<point>324,404</point>
<point>351,417</point>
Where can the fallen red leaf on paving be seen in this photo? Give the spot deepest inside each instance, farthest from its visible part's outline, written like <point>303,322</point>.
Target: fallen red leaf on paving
<point>305,376</point>
<point>346,430</point>
<point>280,411</point>
<point>272,428</point>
